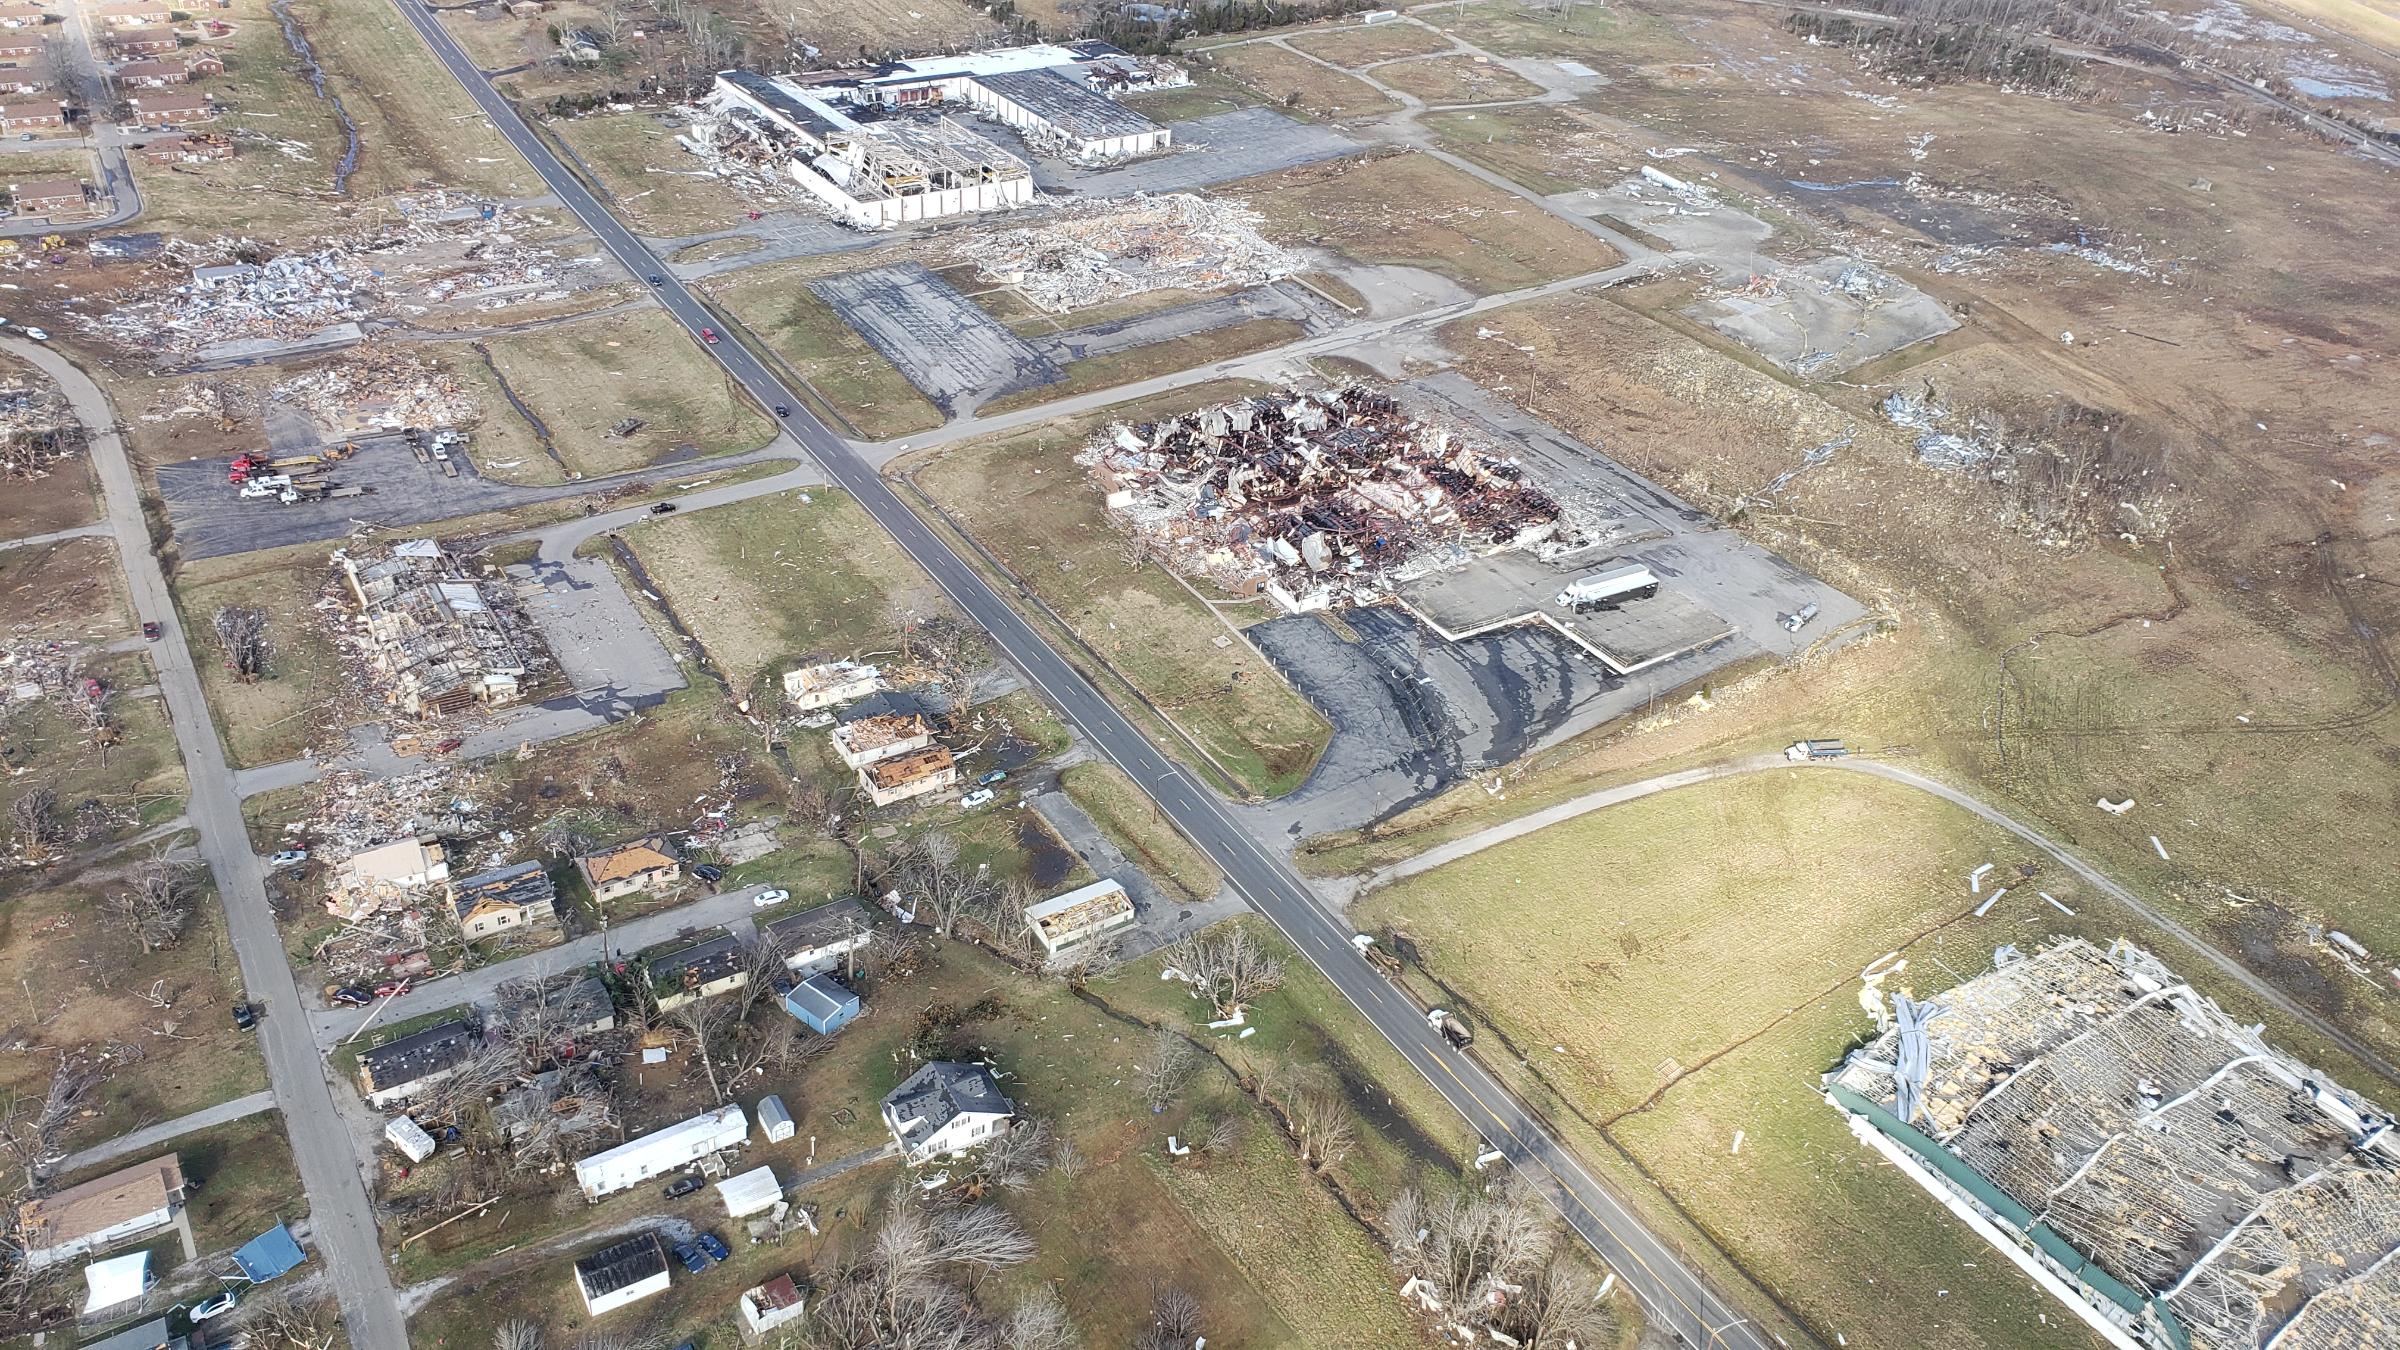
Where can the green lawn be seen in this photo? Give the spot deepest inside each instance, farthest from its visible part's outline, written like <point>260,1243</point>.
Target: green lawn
<point>584,378</point>
<point>1139,829</point>
<point>793,324</point>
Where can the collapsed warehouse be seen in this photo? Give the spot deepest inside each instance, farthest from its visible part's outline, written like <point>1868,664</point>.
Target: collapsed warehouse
<point>434,636</point>
<point>1319,499</point>
<point>2162,1169</point>
<point>1093,251</point>
<point>881,148</point>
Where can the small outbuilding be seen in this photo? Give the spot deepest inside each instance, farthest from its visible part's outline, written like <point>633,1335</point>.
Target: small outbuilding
<point>770,1305</point>
<point>753,1192</point>
<point>823,1004</point>
<point>621,1273</point>
<point>410,1138</point>
<point>774,1120</point>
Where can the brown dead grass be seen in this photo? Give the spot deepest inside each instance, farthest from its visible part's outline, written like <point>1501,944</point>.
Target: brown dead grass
<point>1457,79</point>
<point>1290,80</point>
<point>1355,45</point>
<point>1416,211</point>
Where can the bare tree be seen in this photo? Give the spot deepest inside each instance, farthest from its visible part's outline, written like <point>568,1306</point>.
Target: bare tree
<point>1469,1248</point>
<point>242,632</point>
<point>33,822</point>
<point>1165,1068</point>
<point>1017,1156</point>
<point>904,1292</point>
<point>517,1334</point>
<point>156,907</point>
<point>571,833</point>
<point>1039,1322</point>
<point>1227,965</point>
<point>1558,1306</point>
<point>944,890</point>
<point>30,1126</point>
<point>1174,1322</point>
<point>271,1320</point>
<point>712,1023</point>
<point>1322,1122</point>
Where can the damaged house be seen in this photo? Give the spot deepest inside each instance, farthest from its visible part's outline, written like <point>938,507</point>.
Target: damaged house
<point>902,777</point>
<point>634,866</point>
<point>868,739</point>
<point>503,901</point>
<point>695,970</point>
<point>437,638</point>
<point>1318,499</point>
<point>388,876</point>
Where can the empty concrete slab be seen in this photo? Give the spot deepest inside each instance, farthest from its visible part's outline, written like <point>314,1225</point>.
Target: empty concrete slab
<point>949,348</point>
<point>1217,148</point>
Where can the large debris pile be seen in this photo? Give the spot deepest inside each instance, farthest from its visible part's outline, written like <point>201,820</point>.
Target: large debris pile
<point>1105,250</point>
<point>434,636</point>
<point>1315,499</point>
<point>37,430</point>
<point>202,295</point>
<point>379,388</point>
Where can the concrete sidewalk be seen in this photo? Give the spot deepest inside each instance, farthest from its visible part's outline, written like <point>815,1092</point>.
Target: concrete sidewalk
<point>143,1140</point>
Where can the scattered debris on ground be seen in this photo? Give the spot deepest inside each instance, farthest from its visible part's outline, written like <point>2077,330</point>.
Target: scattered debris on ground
<point>37,430</point>
<point>431,635</point>
<point>378,389</point>
<point>1087,253</point>
<point>1319,498</point>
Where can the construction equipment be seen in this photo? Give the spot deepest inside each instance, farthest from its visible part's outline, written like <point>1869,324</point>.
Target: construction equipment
<point>1383,958</point>
<point>51,241</point>
<point>1454,1028</point>
<point>1801,751</point>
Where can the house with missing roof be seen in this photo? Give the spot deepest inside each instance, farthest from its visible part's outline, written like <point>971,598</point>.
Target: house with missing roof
<point>107,1210</point>
<point>637,865</point>
<point>821,938</point>
<point>768,1306</point>
<point>694,970</point>
<point>508,900</point>
<point>945,1108</point>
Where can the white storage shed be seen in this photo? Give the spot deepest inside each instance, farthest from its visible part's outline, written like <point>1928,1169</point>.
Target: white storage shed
<point>653,1155</point>
<point>410,1138</point>
<point>773,1120</point>
<point>753,1192</point>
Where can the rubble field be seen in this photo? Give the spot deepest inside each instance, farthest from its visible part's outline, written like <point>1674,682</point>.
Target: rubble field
<point>1092,253</point>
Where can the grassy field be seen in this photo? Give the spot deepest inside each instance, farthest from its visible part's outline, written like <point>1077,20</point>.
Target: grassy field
<point>867,390</point>
<point>1377,211</point>
<point>1135,364</point>
<point>59,500</point>
<point>1623,957</point>
<point>1140,830</point>
<point>1022,498</point>
<point>277,717</point>
<point>137,781</point>
<point>70,589</point>
<point>1204,96</point>
<point>78,982</point>
<point>583,378</point>
<point>1272,1257</point>
<point>660,186</point>
<point>1290,80</point>
<point>1367,44</point>
<point>1547,148</point>
<point>1457,79</point>
<point>779,581</point>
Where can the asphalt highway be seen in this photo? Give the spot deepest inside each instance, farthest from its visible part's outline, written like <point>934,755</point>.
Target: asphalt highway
<point>1674,1297</point>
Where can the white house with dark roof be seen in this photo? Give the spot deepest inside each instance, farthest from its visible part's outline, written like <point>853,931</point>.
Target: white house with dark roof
<point>944,1108</point>
<point>621,1273</point>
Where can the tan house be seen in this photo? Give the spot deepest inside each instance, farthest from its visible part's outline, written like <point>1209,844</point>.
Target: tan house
<point>23,16</point>
<point>206,63</point>
<point>32,116</point>
<point>151,110</point>
<point>102,1212</point>
<point>641,865</point>
<point>695,970</point>
<point>505,901</point>
<point>890,736</point>
<point>49,197</point>
<point>17,46</point>
<point>913,775</point>
<point>15,80</point>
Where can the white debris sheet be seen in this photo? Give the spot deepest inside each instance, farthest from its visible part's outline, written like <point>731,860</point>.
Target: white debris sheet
<point>1086,253</point>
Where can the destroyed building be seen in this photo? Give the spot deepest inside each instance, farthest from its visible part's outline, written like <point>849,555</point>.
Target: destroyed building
<point>437,637</point>
<point>2160,1168</point>
<point>386,876</point>
<point>1089,252</point>
<point>881,147</point>
<point>901,777</point>
<point>1318,499</point>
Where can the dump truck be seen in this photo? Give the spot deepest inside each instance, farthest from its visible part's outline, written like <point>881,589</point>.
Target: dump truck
<point>1454,1028</point>
<point>1801,751</point>
<point>1383,958</point>
<point>1608,590</point>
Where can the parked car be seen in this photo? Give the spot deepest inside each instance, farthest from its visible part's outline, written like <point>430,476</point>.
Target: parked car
<point>352,995</point>
<point>37,335</point>
<point>216,1304</point>
<point>714,1246</point>
<point>448,744</point>
<point>392,990</point>
<point>151,630</point>
<point>694,1260</point>
<point>290,857</point>
<point>244,1016</point>
<point>709,872</point>
<point>709,336</point>
<point>770,896</point>
<point>663,509</point>
<point>978,797</point>
<point>682,1187</point>
<point>995,776</point>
